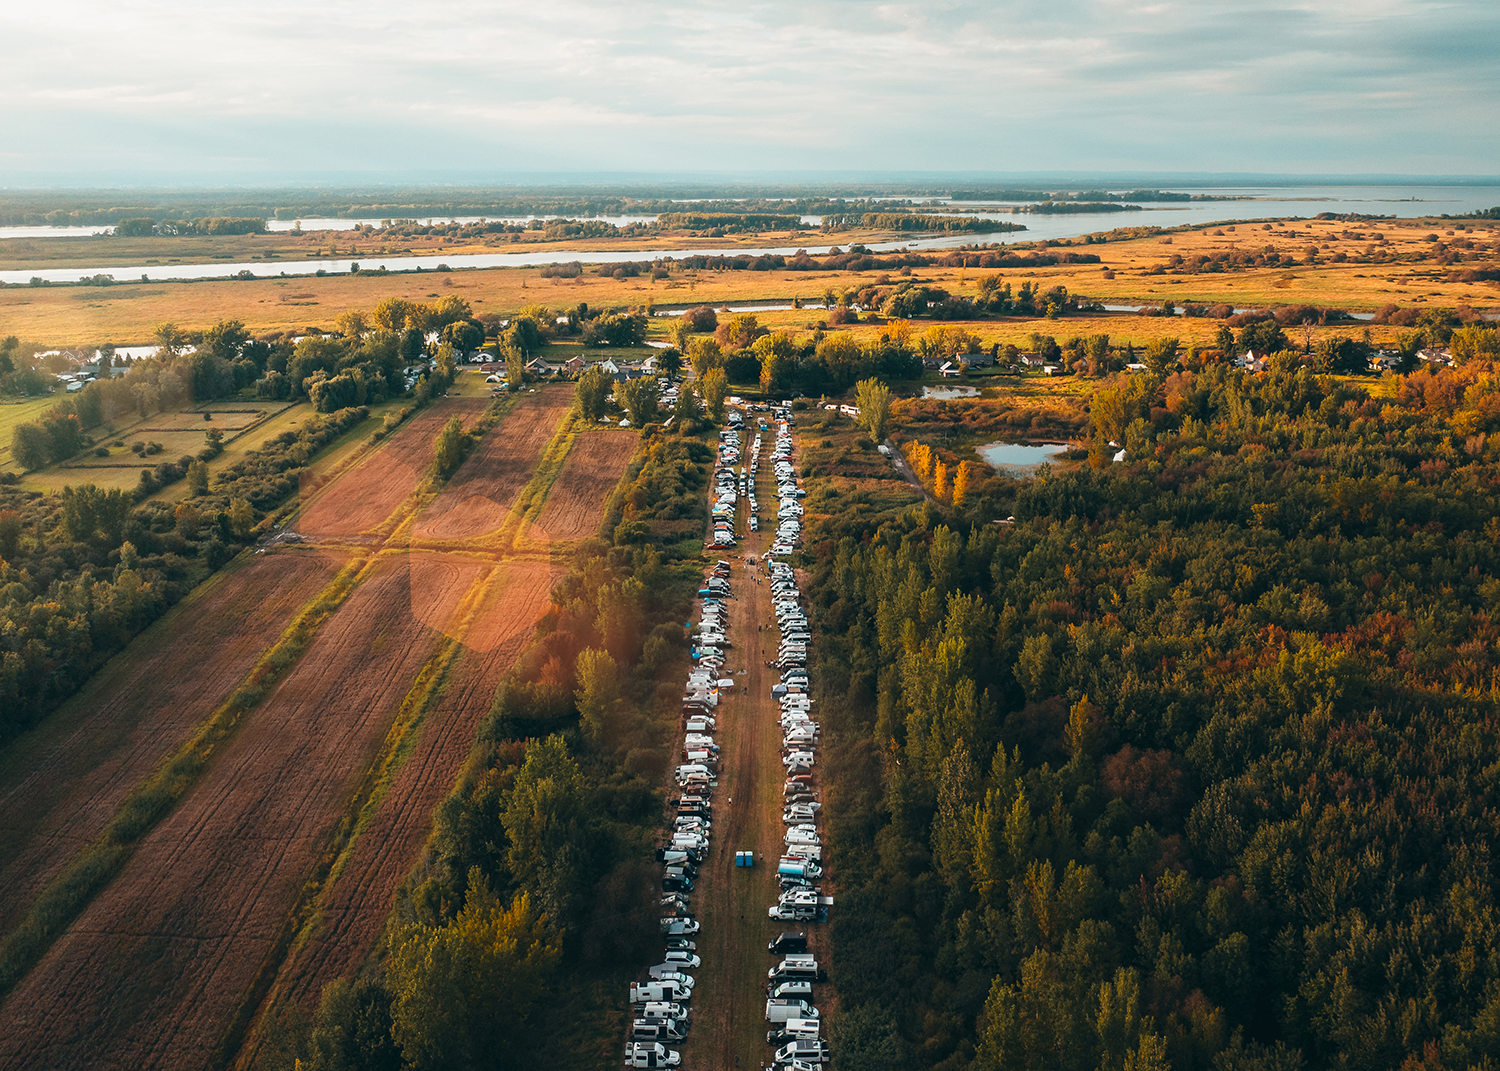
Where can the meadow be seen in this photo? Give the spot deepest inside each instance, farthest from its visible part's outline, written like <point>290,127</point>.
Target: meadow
<point>1132,271</point>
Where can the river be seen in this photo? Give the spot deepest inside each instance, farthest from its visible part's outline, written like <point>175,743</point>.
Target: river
<point>1400,201</point>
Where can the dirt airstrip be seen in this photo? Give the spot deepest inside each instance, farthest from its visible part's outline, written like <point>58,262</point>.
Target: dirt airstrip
<point>593,466</point>
<point>479,496</point>
<point>61,784</point>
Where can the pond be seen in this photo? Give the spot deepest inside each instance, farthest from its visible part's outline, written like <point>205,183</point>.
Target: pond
<point>949,393</point>
<point>1017,458</point>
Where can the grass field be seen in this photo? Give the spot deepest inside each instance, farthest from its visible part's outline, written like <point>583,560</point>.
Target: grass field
<point>13,412</point>
<point>127,313</point>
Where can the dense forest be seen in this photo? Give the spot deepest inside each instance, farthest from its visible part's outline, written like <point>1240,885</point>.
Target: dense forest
<point>1189,760</point>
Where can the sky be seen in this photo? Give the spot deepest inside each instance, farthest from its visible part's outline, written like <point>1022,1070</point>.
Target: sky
<point>113,92</point>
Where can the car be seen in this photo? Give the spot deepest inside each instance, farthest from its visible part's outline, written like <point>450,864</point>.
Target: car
<point>687,959</point>
<point>685,944</point>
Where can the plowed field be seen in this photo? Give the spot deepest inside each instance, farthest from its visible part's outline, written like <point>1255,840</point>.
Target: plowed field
<point>368,494</point>
<point>575,504</point>
<point>479,496</point>
<point>392,844</point>
<point>152,973</point>
<point>60,785</point>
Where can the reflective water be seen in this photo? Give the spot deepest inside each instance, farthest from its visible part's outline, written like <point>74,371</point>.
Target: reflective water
<point>1401,201</point>
<point>949,393</point>
<point>1014,456</point>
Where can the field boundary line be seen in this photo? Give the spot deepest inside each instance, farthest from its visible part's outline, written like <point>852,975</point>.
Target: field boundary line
<point>66,896</point>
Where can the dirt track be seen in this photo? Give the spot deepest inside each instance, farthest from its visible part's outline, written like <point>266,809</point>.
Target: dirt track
<point>575,505</point>
<point>61,784</point>
<point>367,495</point>
<point>249,832</point>
<point>729,1003</point>
<point>478,498</point>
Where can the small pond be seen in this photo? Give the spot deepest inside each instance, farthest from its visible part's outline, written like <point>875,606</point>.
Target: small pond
<point>949,393</point>
<point>1015,457</point>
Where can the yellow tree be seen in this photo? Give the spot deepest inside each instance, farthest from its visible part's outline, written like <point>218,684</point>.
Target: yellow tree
<point>961,483</point>
<point>940,482</point>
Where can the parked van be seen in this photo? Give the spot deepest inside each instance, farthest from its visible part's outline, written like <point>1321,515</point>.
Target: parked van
<point>782,1009</point>
<point>656,1030</point>
<point>811,1051</point>
<point>651,1054</point>
<point>652,992</point>
<point>668,1010</point>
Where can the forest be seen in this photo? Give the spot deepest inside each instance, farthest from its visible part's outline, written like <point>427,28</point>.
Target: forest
<point>1182,761</point>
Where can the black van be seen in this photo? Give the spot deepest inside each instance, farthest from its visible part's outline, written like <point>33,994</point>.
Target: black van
<point>788,942</point>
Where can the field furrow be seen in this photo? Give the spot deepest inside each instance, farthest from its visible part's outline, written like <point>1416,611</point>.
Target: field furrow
<point>369,493</point>
<point>154,971</point>
<point>391,845</point>
<point>61,784</point>
<point>478,498</point>
<point>575,505</point>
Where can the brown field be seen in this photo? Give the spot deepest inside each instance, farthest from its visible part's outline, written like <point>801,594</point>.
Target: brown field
<point>128,313</point>
<point>154,971</point>
<point>478,498</point>
<point>391,844</point>
<point>593,466</point>
<point>368,494</point>
<point>61,784</point>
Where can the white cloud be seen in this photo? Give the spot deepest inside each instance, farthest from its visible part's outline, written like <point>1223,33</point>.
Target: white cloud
<point>1021,84</point>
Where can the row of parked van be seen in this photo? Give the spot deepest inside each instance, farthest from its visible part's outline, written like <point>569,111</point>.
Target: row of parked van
<point>728,483</point>
<point>789,492</point>
<point>790,1009</point>
<point>660,1006</point>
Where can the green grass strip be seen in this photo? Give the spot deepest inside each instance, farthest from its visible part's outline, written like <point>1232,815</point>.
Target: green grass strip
<point>63,898</point>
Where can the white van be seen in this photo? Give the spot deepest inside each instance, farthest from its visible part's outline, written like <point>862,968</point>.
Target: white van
<point>784,1009</point>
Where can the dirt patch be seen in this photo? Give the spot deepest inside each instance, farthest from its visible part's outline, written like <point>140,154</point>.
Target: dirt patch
<point>61,784</point>
<point>575,505</point>
<point>392,844</point>
<point>478,497</point>
<point>368,494</point>
<point>153,972</point>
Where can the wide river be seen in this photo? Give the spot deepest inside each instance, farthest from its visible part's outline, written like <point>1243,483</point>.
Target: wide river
<point>1259,202</point>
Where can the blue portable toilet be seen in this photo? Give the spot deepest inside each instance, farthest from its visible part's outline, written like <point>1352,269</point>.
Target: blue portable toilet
<point>746,859</point>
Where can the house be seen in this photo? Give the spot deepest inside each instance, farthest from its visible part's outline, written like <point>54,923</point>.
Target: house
<point>979,360</point>
<point>575,366</point>
<point>1433,355</point>
<point>1031,360</point>
<point>949,370</point>
<point>539,367</point>
<point>1251,361</point>
<point>1383,361</point>
<point>932,362</point>
<point>610,366</point>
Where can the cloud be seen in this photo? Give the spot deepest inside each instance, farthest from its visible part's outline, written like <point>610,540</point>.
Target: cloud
<point>1322,85</point>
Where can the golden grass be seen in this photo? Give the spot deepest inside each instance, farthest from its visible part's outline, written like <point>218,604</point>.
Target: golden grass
<point>127,314</point>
